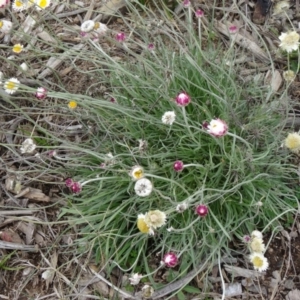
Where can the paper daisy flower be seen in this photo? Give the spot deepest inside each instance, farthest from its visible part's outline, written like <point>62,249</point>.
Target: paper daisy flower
<point>257,245</point>
<point>147,291</point>
<point>289,41</point>
<point>289,75</point>
<point>182,207</point>
<point>72,104</point>
<point>135,278</point>
<point>143,187</point>
<point>76,187</point>
<point>292,142</point>
<point>42,4</point>
<point>17,48</point>
<point>87,26</point>
<point>183,99</point>
<point>170,259</point>
<point>3,3</point>
<point>40,93</point>
<point>155,218</point>
<point>19,5</point>
<point>260,263</point>
<point>11,85</point>
<point>256,234</point>
<point>28,146</point>
<point>137,172</point>
<point>100,28</point>
<point>216,127</point>
<point>5,26</point>
<point>143,226</point>
<point>168,117</point>
<point>281,7</point>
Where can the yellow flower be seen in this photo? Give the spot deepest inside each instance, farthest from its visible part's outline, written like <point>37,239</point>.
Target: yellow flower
<point>17,48</point>
<point>72,104</point>
<point>292,142</point>
<point>142,225</point>
<point>155,218</point>
<point>19,5</point>
<point>259,262</point>
<point>42,4</point>
<point>137,172</point>
<point>257,245</point>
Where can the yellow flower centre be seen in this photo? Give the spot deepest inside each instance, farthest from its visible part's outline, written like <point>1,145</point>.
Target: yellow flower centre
<point>142,226</point>
<point>258,262</point>
<point>1,24</point>
<point>138,174</point>
<point>10,85</point>
<point>72,104</point>
<point>97,25</point>
<point>43,3</point>
<point>18,3</point>
<point>17,48</point>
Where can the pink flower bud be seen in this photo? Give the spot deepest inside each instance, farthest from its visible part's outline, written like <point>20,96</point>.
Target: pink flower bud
<point>199,13</point>
<point>69,182</point>
<point>186,3</point>
<point>178,165</point>
<point>183,99</point>
<point>41,93</point>
<point>120,37</point>
<point>202,210</point>
<point>76,187</point>
<point>233,29</point>
<point>170,259</point>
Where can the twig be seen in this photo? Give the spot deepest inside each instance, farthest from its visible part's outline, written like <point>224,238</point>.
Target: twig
<point>16,212</point>
<point>15,246</point>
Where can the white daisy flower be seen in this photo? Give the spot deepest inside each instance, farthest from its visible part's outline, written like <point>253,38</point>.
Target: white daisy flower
<point>28,146</point>
<point>256,234</point>
<point>5,26</point>
<point>289,41</point>
<point>100,28</point>
<point>143,187</point>
<point>135,278</point>
<point>3,3</point>
<point>11,85</point>
<point>42,4</point>
<point>259,262</point>
<point>87,26</point>
<point>257,245</point>
<point>19,5</point>
<point>281,7</point>
<point>168,117</point>
<point>137,172</point>
<point>155,218</point>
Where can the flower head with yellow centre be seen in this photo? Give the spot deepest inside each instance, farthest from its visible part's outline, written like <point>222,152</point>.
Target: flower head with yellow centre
<point>155,218</point>
<point>19,5</point>
<point>259,262</point>
<point>257,245</point>
<point>292,142</point>
<point>42,4</point>
<point>72,104</point>
<point>143,226</point>
<point>137,172</point>
<point>11,85</point>
<point>5,26</point>
<point>17,48</point>
<point>100,28</point>
<point>289,41</point>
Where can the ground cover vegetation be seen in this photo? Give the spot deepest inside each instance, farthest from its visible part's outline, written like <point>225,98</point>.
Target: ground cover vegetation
<point>164,152</point>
